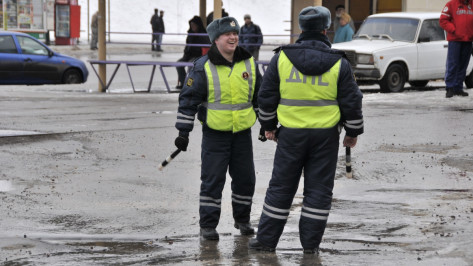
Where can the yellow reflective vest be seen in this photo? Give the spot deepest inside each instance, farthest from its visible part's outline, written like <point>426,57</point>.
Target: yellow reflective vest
<point>230,94</point>
<point>307,101</point>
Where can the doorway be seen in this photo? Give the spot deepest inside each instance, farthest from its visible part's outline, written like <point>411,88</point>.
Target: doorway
<point>383,6</point>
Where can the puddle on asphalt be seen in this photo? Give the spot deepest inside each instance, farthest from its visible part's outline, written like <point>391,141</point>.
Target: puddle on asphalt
<point>11,133</point>
<point>117,247</point>
<point>164,112</point>
<point>14,137</point>
<point>425,148</point>
<point>5,185</point>
<point>462,163</point>
<point>467,110</point>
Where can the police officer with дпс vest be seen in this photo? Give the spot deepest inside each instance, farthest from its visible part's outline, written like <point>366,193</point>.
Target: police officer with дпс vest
<point>309,88</point>
<point>222,88</point>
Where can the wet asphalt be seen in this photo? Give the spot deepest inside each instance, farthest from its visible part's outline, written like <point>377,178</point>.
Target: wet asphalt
<point>80,185</point>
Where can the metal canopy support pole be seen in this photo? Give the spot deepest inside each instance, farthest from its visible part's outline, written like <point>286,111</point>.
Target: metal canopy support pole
<point>102,47</point>
<point>203,11</point>
<point>108,17</point>
<point>88,22</point>
<point>217,9</point>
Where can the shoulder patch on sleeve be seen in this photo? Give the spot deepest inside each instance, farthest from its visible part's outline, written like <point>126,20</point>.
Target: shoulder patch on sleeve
<point>190,81</point>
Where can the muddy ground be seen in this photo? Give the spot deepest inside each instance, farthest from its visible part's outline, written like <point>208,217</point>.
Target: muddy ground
<point>79,183</point>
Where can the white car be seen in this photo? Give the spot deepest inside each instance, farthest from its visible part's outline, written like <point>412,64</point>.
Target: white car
<point>394,48</point>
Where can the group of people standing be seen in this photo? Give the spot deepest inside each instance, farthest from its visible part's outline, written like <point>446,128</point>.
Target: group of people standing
<point>343,25</point>
<point>307,95</point>
<point>250,38</point>
<point>157,25</point>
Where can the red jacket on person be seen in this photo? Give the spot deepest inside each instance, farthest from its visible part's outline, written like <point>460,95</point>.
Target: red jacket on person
<point>457,20</point>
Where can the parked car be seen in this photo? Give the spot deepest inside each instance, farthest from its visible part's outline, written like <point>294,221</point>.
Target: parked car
<point>394,48</point>
<point>25,60</point>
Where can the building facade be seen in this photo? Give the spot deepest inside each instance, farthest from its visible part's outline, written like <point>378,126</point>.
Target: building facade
<point>31,16</point>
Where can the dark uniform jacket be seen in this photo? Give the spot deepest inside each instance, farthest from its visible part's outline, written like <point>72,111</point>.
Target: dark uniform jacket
<point>195,88</point>
<point>248,36</point>
<point>312,55</point>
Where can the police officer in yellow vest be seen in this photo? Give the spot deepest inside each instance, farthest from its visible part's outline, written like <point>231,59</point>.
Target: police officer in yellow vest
<point>310,90</point>
<point>222,89</point>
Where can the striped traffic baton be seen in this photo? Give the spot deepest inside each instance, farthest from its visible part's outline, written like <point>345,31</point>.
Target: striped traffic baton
<point>348,162</point>
<point>169,159</point>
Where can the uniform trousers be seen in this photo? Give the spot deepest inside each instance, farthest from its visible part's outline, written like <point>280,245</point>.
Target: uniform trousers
<point>458,57</point>
<point>314,151</point>
<point>222,152</point>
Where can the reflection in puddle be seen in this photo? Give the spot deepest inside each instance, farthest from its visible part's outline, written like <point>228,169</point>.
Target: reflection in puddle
<point>117,247</point>
<point>164,112</point>
<point>5,186</point>
<point>11,133</point>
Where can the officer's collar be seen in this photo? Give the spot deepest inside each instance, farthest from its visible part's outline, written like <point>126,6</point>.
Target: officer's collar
<point>217,58</point>
<point>313,36</point>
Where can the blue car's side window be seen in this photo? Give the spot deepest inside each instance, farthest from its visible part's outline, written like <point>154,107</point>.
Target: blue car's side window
<point>30,46</point>
<point>7,45</point>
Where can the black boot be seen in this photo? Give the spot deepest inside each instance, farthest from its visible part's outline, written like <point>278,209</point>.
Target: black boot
<point>209,233</point>
<point>461,93</point>
<point>245,228</point>
<point>256,245</point>
<point>450,93</point>
<point>311,251</point>
<point>179,85</point>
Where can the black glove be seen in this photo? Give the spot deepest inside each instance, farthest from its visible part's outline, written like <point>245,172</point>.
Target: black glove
<point>181,143</point>
<point>261,135</point>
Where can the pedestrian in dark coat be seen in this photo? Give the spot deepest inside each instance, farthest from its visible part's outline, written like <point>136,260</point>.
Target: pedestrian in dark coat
<point>160,30</point>
<point>339,10</point>
<point>196,42</point>
<point>154,26</point>
<point>210,16</point>
<point>251,37</point>
<point>309,89</point>
<point>222,90</point>
<point>95,31</point>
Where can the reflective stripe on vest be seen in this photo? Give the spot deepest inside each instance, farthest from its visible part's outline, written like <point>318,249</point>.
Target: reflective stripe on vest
<point>307,101</point>
<point>229,106</point>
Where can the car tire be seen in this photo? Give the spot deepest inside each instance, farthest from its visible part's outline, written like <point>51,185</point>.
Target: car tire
<point>419,83</point>
<point>394,79</point>
<point>469,80</point>
<point>72,76</point>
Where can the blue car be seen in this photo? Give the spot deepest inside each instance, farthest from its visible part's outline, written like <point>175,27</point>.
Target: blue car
<point>25,60</point>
